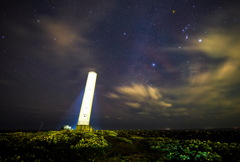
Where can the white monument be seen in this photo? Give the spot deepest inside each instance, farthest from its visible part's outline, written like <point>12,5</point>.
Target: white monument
<point>86,107</point>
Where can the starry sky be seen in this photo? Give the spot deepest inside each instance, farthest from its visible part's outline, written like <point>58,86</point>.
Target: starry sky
<point>160,63</point>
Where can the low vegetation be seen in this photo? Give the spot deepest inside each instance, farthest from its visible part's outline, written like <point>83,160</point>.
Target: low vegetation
<point>121,145</point>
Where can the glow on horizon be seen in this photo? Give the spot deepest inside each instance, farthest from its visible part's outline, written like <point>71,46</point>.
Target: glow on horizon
<point>86,107</point>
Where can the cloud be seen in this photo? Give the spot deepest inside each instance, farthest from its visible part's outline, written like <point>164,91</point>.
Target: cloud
<point>133,104</point>
<point>211,93</point>
<point>113,95</point>
<point>143,100</point>
<point>225,45</point>
<point>64,35</point>
<point>225,73</point>
<point>211,85</point>
<point>222,43</point>
<point>141,93</point>
<point>136,92</point>
<point>65,42</point>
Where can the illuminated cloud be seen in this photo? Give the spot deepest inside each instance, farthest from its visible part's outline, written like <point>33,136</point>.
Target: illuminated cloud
<point>210,89</point>
<point>209,94</point>
<point>144,101</point>
<point>226,73</point>
<point>62,34</point>
<point>137,92</point>
<point>222,43</point>
<point>225,45</point>
<point>133,104</point>
<point>112,95</point>
<point>141,93</point>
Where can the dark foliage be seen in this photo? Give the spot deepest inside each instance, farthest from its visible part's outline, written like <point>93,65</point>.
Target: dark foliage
<point>120,145</point>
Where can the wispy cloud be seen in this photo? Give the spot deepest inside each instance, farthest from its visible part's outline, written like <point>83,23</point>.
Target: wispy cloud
<point>145,101</point>
<point>206,94</point>
<point>210,93</point>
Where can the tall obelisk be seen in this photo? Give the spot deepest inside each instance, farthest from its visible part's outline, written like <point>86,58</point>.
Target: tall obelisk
<point>86,107</point>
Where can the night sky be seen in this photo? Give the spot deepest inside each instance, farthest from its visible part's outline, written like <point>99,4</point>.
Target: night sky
<point>160,63</point>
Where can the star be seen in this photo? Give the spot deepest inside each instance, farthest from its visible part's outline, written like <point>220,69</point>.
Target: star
<point>153,64</point>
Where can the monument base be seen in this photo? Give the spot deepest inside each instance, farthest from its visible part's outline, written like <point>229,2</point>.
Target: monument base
<point>86,128</point>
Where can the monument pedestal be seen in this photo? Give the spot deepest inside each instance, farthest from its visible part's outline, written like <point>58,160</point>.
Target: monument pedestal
<point>86,128</point>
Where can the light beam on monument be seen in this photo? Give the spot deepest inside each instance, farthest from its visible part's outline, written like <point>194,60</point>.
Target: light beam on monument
<point>86,107</point>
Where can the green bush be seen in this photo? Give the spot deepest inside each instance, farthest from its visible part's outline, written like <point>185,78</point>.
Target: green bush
<point>123,139</point>
<point>187,149</point>
<point>122,145</point>
<point>110,133</point>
